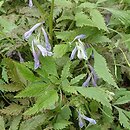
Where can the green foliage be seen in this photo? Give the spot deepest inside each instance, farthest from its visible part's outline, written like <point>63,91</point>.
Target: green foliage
<point>98,19</point>
<point>51,96</point>
<point>60,50</point>
<point>102,70</point>
<point>124,120</point>
<point>96,94</point>
<point>12,109</point>
<point>33,123</point>
<point>46,100</point>
<point>2,123</point>
<point>15,123</point>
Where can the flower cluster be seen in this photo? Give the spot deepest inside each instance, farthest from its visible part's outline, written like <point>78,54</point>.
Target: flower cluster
<point>82,117</point>
<point>81,54</point>
<point>37,46</point>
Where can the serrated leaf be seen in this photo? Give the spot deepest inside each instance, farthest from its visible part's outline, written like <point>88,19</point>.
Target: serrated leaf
<point>33,90</point>
<point>83,20</point>
<point>95,93</point>
<point>45,101</point>
<point>123,100</point>
<point>7,25</point>
<point>67,88</point>
<point>15,123</point>
<point>60,50</point>
<point>65,113</point>
<point>11,87</point>
<point>33,123</point>
<point>66,71</point>
<point>98,19</point>
<point>107,115</point>
<point>4,74</point>
<point>63,4</point>
<point>124,121</point>
<point>12,109</point>
<point>65,35</point>
<point>48,65</point>
<point>87,5</point>
<point>100,66</point>
<point>61,124</point>
<point>25,75</point>
<point>2,127</point>
<point>77,79</point>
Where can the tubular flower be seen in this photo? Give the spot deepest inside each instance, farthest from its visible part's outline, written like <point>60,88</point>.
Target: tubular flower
<point>29,33</point>
<point>82,117</point>
<point>30,3</point>
<point>36,54</point>
<point>79,48</point>
<point>92,77</point>
<point>48,46</point>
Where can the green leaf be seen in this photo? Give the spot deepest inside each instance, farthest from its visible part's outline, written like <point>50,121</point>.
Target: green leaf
<point>122,15</point>
<point>11,87</point>
<point>7,25</point>
<point>98,19</point>
<point>77,79</point>
<point>4,74</point>
<point>83,20</point>
<point>46,100</point>
<point>49,66</point>
<point>63,4</point>
<point>33,90</point>
<point>123,100</point>
<point>124,121</point>
<point>95,93</point>
<point>25,75</point>
<point>61,124</point>
<point>66,71</point>
<point>33,123</point>
<point>87,5</point>
<point>12,109</point>
<point>15,123</point>
<point>107,115</point>
<point>65,113</point>
<point>102,70</point>
<point>60,50</point>
<point>2,127</point>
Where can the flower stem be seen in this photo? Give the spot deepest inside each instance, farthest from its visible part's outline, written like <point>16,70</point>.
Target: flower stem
<point>51,21</point>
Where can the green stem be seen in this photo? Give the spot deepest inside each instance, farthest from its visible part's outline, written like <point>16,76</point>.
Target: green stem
<point>51,20</point>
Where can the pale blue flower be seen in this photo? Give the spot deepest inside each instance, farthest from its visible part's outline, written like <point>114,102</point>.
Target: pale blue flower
<point>82,117</point>
<point>79,48</point>
<point>30,3</point>
<point>86,83</point>
<point>36,57</point>
<point>29,33</point>
<point>73,53</point>
<point>48,46</point>
<point>81,36</point>
<point>37,48</point>
<point>92,77</point>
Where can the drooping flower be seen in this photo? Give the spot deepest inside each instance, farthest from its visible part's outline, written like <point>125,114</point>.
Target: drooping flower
<point>79,48</point>
<point>92,77</point>
<point>82,117</point>
<point>29,33</point>
<point>48,46</point>
<point>36,56</point>
<point>37,48</point>
<point>30,3</point>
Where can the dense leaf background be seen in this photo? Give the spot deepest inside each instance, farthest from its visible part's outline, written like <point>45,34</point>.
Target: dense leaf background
<point>52,96</point>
